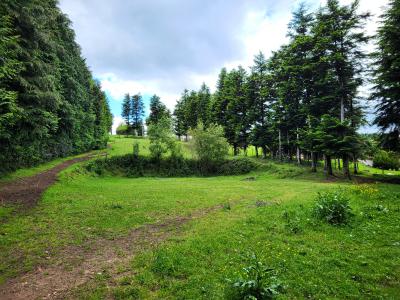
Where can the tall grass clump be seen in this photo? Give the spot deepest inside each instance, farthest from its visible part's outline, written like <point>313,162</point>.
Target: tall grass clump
<point>332,207</point>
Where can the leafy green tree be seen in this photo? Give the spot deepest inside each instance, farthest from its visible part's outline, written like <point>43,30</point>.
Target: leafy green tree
<point>386,72</point>
<point>209,145</point>
<point>162,140</point>
<point>386,161</point>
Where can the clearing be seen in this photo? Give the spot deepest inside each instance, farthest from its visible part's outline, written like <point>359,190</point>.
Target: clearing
<point>96,237</point>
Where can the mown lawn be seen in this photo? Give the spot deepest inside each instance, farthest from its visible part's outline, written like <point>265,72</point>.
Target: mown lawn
<point>266,213</point>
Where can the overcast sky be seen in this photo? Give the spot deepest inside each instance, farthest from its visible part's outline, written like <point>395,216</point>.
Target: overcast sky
<point>164,46</point>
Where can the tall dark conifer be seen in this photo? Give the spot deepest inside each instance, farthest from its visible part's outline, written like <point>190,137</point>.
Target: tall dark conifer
<point>387,76</point>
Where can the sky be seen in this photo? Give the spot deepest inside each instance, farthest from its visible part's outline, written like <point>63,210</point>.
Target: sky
<point>165,46</point>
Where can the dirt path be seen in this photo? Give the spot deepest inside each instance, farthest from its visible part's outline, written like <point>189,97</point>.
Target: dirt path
<point>78,265</point>
<point>28,190</point>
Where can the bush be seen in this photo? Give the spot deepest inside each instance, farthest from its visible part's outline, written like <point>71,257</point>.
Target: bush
<point>162,140</point>
<point>332,207</point>
<point>385,161</point>
<point>257,281</point>
<point>209,146</point>
<point>237,166</point>
<point>136,166</point>
<point>122,129</point>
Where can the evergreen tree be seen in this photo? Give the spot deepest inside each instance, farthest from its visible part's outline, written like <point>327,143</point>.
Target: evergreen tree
<point>158,110</point>
<point>203,105</point>
<point>126,110</point>
<point>137,113</point>
<point>259,103</point>
<point>387,76</point>
<point>51,107</point>
<point>181,125</point>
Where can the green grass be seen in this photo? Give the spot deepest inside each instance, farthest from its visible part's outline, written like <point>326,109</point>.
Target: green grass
<point>311,259</point>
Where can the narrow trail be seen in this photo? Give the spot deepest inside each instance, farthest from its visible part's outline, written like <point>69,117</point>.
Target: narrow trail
<point>77,265</point>
<point>28,190</point>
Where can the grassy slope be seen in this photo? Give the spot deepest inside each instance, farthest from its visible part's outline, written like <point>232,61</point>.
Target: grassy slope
<point>319,261</point>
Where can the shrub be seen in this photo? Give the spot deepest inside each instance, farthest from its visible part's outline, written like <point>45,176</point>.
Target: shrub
<point>209,146</point>
<point>237,166</point>
<point>385,161</point>
<point>174,165</point>
<point>122,129</point>
<point>332,207</point>
<point>162,139</point>
<point>256,281</point>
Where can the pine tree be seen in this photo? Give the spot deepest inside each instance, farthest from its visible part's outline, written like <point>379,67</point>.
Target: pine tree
<point>126,111</point>
<point>137,113</point>
<point>259,103</point>
<point>158,110</point>
<point>52,108</point>
<point>203,105</point>
<point>181,125</point>
<point>387,76</point>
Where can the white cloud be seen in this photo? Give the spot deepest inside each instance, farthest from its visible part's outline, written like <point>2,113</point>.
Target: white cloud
<point>116,122</point>
<point>160,48</point>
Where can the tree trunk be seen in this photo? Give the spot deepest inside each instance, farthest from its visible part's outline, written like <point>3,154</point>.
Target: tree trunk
<point>264,151</point>
<point>235,150</point>
<point>313,162</point>
<point>338,161</point>
<point>289,154</point>
<point>280,145</point>
<point>346,170</point>
<point>324,158</point>
<point>256,151</point>
<point>328,163</point>
<point>355,164</point>
<point>341,110</point>
<point>298,154</point>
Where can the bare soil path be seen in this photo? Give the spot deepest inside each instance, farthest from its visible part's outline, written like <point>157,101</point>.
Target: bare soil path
<point>28,190</point>
<point>76,266</point>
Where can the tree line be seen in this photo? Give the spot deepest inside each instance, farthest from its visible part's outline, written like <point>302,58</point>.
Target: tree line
<point>304,100</point>
<point>133,114</point>
<point>50,104</point>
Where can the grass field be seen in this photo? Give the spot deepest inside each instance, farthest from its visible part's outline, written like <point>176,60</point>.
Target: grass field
<point>266,213</point>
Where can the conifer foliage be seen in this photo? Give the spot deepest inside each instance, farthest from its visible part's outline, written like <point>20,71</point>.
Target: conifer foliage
<point>50,105</point>
<point>300,103</point>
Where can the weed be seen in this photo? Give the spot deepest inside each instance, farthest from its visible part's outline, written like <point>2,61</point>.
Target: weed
<point>256,281</point>
<point>227,206</point>
<point>332,207</point>
<point>292,221</point>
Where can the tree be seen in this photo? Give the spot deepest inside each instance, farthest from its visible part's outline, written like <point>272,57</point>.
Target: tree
<point>338,63</point>
<point>181,125</point>
<point>137,110</point>
<point>387,75</point>
<point>203,105</point>
<point>126,111</point>
<point>50,103</point>
<point>260,94</point>
<point>209,145</point>
<point>162,140</point>
<point>158,110</point>
<point>237,126</point>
